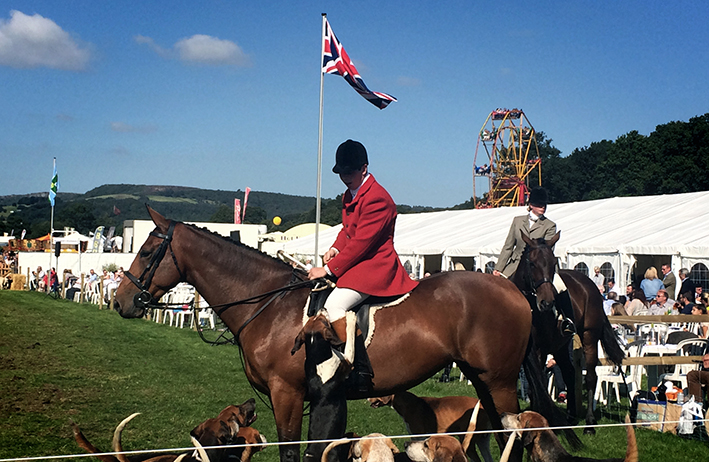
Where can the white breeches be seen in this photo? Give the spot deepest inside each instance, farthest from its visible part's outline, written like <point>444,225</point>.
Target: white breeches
<point>340,300</point>
<point>559,283</point>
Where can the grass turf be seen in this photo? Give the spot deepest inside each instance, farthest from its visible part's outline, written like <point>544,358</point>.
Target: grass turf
<point>60,360</point>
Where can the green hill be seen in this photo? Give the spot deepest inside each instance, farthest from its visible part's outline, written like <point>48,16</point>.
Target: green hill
<point>111,205</point>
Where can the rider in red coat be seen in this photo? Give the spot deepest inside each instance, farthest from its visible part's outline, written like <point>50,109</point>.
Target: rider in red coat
<point>362,258</point>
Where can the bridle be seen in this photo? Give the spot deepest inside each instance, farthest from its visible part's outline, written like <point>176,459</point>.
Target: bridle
<point>144,297</point>
<point>529,282</point>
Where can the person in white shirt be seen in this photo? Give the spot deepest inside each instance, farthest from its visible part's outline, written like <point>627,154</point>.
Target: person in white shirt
<point>598,278</point>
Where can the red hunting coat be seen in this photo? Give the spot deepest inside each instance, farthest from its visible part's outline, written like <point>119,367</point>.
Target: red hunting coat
<point>367,261</point>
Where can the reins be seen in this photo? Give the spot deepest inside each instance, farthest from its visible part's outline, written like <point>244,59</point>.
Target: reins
<point>144,298</point>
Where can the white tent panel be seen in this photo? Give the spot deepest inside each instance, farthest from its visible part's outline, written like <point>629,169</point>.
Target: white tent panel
<point>598,231</point>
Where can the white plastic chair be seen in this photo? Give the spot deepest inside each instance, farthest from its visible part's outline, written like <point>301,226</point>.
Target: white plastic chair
<point>206,315</point>
<point>688,347</point>
<point>183,317</point>
<point>610,376</point>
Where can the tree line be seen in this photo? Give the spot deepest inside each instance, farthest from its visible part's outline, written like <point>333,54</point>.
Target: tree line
<point>673,159</point>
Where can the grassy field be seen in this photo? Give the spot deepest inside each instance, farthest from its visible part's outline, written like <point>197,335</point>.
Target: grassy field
<point>60,360</point>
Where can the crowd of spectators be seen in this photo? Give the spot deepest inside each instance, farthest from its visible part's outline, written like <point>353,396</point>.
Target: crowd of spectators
<point>655,296</point>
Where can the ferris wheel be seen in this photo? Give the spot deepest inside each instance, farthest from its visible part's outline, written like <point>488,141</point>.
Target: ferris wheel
<point>507,162</point>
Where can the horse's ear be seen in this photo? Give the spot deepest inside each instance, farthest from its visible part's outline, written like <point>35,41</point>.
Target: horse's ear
<point>159,220</point>
<point>527,240</point>
<point>552,242</point>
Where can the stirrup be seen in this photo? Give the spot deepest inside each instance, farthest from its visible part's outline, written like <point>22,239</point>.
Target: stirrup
<point>567,327</point>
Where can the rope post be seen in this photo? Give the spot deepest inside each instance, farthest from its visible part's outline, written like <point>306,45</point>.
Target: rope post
<point>27,287</point>
<point>195,311</point>
<point>63,285</point>
<point>100,294</point>
<point>110,306</point>
<point>81,296</point>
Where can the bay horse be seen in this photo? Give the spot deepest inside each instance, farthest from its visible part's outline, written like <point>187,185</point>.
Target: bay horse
<point>534,277</point>
<point>481,322</point>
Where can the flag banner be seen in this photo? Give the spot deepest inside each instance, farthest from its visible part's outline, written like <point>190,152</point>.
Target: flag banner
<point>24,231</point>
<point>116,211</point>
<point>336,61</point>
<point>96,245</point>
<point>246,199</point>
<point>54,187</point>
<point>237,211</point>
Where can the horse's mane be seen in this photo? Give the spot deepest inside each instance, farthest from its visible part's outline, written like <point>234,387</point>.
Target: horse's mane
<point>241,245</point>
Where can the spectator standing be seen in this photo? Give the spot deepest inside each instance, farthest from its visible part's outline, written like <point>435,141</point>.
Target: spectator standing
<point>687,284</point>
<point>612,287</point>
<point>651,284</point>
<point>597,277</point>
<point>669,280</point>
<point>698,294</point>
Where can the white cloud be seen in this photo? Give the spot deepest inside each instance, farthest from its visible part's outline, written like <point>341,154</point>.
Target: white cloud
<point>123,127</point>
<point>35,41</point>
<point>143,40</point>
<point>200,49</point>
<point>204,49</point>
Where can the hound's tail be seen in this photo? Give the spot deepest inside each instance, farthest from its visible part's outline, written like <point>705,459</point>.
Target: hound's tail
<point>631,454</point>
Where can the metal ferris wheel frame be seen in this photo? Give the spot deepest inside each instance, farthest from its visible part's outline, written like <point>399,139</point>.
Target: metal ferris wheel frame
<point>507,148</point>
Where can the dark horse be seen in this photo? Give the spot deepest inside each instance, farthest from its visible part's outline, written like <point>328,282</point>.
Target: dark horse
<point>479,321</point>
<point>534,278</point>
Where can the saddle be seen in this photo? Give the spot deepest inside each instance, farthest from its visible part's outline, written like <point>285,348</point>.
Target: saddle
<point>319,294</point>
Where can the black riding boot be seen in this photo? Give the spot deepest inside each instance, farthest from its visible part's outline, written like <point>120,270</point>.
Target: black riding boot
<point>362,373</point>
<point>446,376</point>
<point>566,314</point>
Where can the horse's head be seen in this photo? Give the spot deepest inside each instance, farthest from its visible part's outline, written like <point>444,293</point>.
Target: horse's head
<point>153,272</point>
<point>537,267</point>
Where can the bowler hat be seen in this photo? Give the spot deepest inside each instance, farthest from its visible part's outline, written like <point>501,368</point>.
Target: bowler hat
<point>538,197</point>
<point>350,156</point>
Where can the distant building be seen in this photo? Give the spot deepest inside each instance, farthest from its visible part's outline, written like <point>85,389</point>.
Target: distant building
<point>136,232</point>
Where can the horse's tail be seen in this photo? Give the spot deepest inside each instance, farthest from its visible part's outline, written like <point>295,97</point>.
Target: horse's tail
<point>609,342</point>
<point>539,398</point>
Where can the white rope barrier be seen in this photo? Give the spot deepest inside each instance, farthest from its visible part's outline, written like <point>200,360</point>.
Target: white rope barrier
<point>394,437</point>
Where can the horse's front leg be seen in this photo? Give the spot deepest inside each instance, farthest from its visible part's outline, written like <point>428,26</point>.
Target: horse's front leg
<point>288,412</point>
<point>590,349</point>
<point>563,359</point>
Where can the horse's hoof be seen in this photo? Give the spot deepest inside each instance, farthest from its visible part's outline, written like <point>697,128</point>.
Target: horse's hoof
<point>589,431</point>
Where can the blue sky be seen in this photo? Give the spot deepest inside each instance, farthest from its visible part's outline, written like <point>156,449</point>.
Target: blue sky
<point>224,94</point>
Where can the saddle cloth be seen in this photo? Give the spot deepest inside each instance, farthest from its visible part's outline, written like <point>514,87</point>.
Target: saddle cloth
<point>365,311</point>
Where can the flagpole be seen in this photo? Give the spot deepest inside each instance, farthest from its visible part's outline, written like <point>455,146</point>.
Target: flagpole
<point>51,226</point>
<point>316,258</point>
<point>51,222</point>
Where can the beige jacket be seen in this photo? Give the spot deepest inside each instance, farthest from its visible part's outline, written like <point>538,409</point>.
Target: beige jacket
<point>512,250</point>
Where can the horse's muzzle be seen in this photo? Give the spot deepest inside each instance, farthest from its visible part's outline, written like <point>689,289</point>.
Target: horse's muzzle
<point>545,306</point>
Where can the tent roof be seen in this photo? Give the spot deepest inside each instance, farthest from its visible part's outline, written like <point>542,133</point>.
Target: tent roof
<point>652,225</point>
<point>72,239</point>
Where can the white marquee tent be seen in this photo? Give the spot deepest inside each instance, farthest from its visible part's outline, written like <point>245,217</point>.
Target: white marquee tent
<point>622,235</point>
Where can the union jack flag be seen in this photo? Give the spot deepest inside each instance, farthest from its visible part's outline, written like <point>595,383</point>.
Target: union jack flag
<point>336,61</point>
